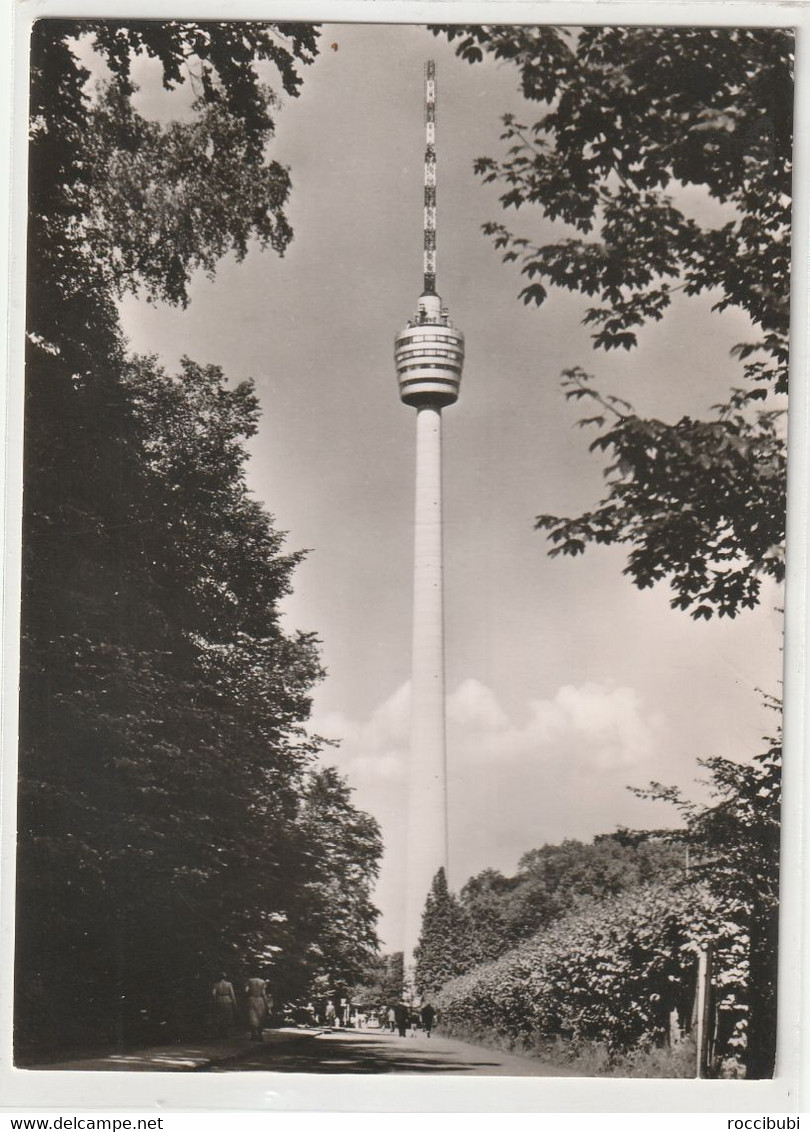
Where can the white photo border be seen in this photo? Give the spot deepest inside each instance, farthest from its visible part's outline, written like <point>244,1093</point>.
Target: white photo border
<point>789,1091</point>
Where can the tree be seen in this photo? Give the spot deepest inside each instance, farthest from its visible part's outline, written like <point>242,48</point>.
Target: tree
<point>632,115</point>
<point>381,980</point>
<point>171,819</point>
<point>97,172</point>
<point>440,954</point>
<point>554,880</point>
<point>143,204</point>
<point>335,912</point>
<point>485,899</point>
<point>734,843</point>
<point>162,752</point>
<point>494,914</point>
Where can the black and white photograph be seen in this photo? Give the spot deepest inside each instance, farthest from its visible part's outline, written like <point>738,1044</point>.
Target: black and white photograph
<point>403,548</point>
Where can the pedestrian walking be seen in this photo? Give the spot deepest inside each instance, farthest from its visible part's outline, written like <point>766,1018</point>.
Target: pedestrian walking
<point>258,1007</point>
<point>392,1019</point>
<point>224,1006</point>
<point>428,1016</point>
<point>401,1016</point>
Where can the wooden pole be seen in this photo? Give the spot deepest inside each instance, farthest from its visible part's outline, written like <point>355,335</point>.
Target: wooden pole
<point>704,987</point>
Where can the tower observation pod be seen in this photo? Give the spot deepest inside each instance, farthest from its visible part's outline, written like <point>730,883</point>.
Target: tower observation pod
<point>429,356</point>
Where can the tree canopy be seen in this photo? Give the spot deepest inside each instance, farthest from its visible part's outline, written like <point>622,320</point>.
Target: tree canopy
<point>631,116</point>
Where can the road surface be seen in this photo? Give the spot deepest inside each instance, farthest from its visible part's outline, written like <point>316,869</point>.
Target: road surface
<point>369,1051</point>
<point>339,1051</point>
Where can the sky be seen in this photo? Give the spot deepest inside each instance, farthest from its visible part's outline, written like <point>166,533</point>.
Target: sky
<point>565,684</point>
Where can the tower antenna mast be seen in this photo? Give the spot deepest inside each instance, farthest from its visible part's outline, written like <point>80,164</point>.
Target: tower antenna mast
<point>430,178</point>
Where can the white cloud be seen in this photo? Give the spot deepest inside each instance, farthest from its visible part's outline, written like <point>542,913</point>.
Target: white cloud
<point>371,748</point>
<point>604,726</point>
<point>557,769</point>
<point>473,704</point>
<point>598,724</point>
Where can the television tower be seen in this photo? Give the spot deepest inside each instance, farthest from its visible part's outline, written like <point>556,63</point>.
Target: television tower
<point>429,355</point>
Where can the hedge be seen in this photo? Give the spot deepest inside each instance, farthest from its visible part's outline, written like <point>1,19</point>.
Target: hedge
<point>611,972</point>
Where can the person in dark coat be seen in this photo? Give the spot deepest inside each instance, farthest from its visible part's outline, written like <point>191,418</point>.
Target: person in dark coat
<point>428,1016</point>
<point>401,1015</point>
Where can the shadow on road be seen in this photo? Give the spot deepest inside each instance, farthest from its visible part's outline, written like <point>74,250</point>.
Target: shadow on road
<point>328,1054</point>
<point>290,1050</point>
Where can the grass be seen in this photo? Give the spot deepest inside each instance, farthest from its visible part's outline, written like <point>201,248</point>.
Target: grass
<point>593,1059</point>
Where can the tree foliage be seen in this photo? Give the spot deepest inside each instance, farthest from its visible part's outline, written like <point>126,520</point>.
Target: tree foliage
<point>487,902</point>
<point>380,981</point>
<point>440,952</point>
<point>631,117</point>
<point>172,818</point>
<point>554,880</point>
<point>700,503</point>
<point>143,205</point>
<point>735,842</point>
<point>598,943</point>
<point>494,913</point>
<point>335,910</point>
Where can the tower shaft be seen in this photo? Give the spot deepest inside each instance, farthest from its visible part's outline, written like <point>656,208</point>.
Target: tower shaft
<point>427,811</point>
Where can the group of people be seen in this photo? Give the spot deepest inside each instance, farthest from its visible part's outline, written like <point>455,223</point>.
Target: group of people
<point>258,1004</point>
<point>400,1018</point>
<point>403,1018</point>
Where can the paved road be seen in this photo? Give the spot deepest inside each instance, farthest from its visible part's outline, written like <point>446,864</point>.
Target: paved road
<point>340,1051</point>
<point>369,1051</point>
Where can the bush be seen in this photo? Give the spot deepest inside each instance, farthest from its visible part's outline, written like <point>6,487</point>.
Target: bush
<point>608,975</point>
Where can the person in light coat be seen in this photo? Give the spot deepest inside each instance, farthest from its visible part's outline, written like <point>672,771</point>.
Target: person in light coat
<point>258,1007</point>
<point>224,1006</point>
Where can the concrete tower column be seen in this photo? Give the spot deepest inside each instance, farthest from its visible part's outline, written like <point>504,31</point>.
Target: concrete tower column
<point>429,357</point>
<point>427,810</point>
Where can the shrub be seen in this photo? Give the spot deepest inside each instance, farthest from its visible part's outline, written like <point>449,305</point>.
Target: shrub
<point>609,974</point>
